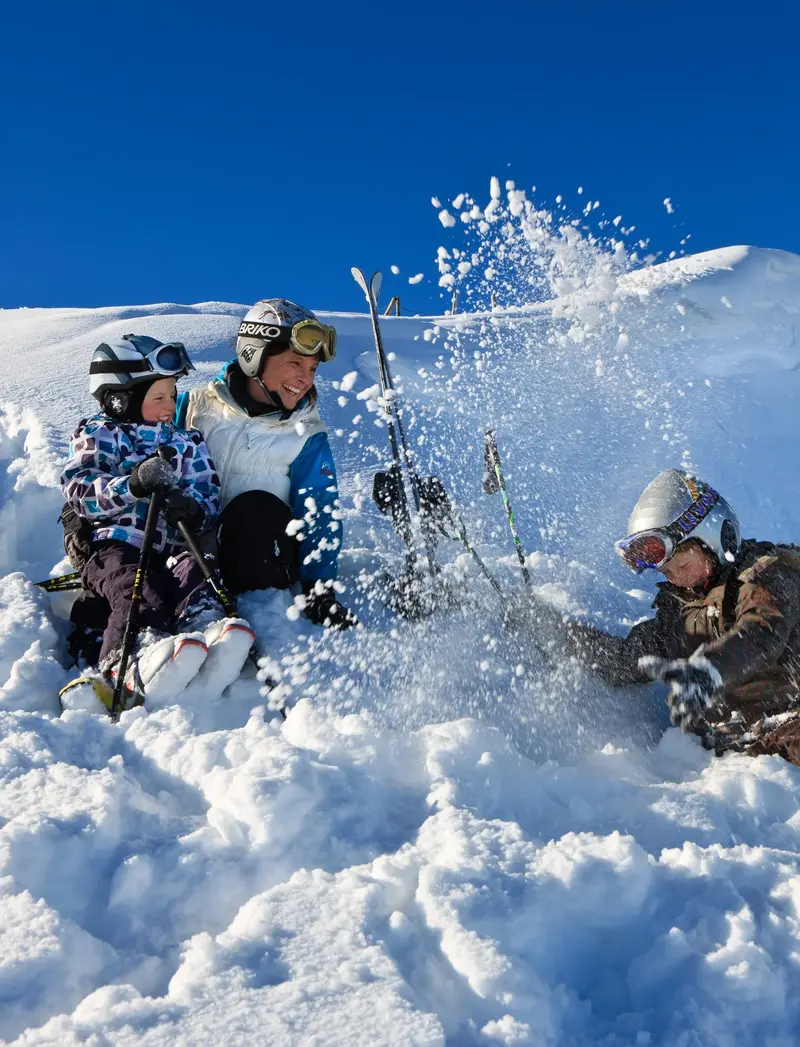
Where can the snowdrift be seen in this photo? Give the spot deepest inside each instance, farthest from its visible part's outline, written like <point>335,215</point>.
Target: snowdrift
<point>448,842</point>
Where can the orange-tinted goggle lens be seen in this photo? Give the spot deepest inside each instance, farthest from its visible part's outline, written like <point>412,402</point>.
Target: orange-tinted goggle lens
<point>640,551</point>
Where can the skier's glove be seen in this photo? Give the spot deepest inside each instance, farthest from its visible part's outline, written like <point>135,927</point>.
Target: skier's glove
<point>181,507</point>
<point>152,474</point>
<point>322,607</point>
<point>694,686</point>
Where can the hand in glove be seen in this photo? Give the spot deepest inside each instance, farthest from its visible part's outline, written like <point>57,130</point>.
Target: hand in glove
<point>694,686</point>
<point>520,611</point>
<point>152,474</point>
<point>322,607</point>
<point>179,506</point>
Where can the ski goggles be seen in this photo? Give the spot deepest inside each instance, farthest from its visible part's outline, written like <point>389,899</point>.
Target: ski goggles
<point>647,549</point>
<point>307,337</point>
<point>170,360</point>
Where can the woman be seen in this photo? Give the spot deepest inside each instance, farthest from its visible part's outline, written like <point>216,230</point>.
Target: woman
<point>280,522</point>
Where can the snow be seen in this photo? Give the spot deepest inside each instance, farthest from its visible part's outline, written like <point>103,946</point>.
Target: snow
<point>449,841</point>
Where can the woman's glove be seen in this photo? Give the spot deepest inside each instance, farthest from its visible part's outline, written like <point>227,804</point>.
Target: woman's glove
<point>322,607</point>
<point>694,686</point>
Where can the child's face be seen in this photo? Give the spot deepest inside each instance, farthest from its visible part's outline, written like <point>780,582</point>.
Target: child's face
<point>159,402</point>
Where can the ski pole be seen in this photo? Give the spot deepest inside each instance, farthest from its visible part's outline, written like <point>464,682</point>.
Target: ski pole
<point>462,537</point>
<point>132,625</point>
<point>439,507</point>
<point>494,482</point>
<point>63,583</point>
<point>462,534</point>
<point>404,516</point>
<point>225,599</point>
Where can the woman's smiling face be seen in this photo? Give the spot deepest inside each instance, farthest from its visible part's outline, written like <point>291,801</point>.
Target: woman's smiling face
<point>290,375</point>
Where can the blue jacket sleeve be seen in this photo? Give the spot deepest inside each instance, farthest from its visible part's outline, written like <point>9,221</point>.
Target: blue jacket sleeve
<point>314,499</point>
<point>181,410</point>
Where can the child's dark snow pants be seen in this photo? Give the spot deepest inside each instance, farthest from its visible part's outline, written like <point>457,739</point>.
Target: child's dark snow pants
<point>168,592</point>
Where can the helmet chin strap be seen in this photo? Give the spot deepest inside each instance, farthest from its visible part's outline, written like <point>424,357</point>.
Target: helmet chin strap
<point>273,398</point>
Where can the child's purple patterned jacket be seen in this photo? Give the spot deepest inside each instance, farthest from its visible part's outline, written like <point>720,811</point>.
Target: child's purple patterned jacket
<point>104,453</point>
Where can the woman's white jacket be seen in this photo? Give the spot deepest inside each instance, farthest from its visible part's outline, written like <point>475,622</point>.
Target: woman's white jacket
<point>286,454</point>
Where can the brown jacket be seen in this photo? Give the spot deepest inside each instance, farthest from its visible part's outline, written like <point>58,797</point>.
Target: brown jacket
<point>748,621</point>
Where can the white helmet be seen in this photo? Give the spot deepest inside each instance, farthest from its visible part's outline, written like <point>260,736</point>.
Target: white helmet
<point>275,324</point>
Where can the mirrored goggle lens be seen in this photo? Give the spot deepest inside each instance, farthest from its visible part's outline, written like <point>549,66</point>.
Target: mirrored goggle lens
<point>314,338</point>
<point>644,550</point>
<point>172,357</point>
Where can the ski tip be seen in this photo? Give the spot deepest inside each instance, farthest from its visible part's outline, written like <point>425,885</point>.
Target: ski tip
<point>359,278</point>
<point>375,285</point>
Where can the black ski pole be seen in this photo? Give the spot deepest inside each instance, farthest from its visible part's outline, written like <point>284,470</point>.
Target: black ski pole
<point>226,601</point>
<point>494,481</point>
<point>388,383</point>
<point>439,507</point>
<point>132,625</point>
<point>403,513</point>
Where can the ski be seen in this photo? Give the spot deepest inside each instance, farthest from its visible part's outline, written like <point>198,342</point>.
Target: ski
<point>389,488</point>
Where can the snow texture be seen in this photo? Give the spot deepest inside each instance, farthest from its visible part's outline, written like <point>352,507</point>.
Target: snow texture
<point>449,841</point>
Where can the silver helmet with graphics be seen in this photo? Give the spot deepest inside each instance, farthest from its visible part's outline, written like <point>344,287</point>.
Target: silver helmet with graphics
<point>677,507</point>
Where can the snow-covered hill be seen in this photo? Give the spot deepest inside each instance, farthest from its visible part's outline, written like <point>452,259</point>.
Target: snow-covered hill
<point>447,842</point>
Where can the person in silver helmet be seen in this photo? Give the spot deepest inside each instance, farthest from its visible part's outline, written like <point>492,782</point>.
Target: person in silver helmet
<point>725,638</point>
<point>280,523</point>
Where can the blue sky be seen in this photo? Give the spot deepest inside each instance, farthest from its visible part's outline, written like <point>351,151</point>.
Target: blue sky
<point>183,152</point>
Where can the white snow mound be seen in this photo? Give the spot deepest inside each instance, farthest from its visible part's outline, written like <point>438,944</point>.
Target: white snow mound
<point>446,842</point>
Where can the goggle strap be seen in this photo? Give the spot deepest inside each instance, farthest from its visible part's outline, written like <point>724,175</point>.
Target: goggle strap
<point>120,367</point>
<point>281,337</point>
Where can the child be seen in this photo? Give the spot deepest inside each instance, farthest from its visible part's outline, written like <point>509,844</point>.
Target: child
<point>112,472</point>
